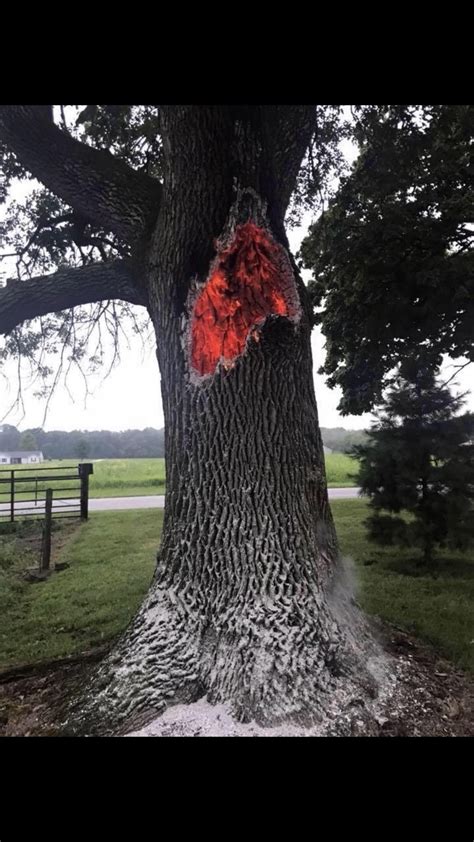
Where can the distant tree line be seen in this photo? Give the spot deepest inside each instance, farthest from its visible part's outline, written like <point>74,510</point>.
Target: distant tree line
<point>85,444</point>
<point>337,438</point>
<point>129,444</point>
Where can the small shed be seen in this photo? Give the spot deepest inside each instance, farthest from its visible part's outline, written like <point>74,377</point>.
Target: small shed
<point>21,457</point>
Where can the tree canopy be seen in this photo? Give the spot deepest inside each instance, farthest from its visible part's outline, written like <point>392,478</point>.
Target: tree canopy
<point>78,253</point>
<point>390,249</point>
<point>392,257</point>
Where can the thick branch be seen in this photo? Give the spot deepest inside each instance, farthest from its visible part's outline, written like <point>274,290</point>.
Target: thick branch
<point>24,300</point>
<point>288,132</point>
<point>102,188</point>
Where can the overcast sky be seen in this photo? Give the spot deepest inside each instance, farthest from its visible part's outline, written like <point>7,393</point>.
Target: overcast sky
<point>130,396</point>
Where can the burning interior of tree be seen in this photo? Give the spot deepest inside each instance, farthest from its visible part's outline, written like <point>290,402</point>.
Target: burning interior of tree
<point>250,280</point>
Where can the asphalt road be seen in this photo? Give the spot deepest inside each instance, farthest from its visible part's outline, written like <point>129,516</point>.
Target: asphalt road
<point>158,502</point>
<point>104,504</point>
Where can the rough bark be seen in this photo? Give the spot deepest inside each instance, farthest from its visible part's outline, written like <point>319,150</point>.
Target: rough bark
<point>22,300</point>
<point>247,603</point>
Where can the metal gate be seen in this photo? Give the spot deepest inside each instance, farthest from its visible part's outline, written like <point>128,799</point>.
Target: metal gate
<point>23,491</point>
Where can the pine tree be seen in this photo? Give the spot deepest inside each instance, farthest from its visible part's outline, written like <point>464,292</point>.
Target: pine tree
<point>420,461</point>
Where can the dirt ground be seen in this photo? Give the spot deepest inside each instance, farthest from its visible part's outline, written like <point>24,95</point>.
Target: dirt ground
<point>432,697</point>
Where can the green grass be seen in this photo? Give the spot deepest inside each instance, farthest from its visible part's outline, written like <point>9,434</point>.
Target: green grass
<point>112,560</point>
<point>340,469</point>
<point>88,603</point>
<point>144,477</point>
<point>128,477</point>
<point>435,605</point>
<point>111,478</point>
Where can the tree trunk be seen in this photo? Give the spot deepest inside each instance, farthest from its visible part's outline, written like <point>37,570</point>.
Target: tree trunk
<point>427,552</point>
<point>425,515</point>
<point>246,605</point>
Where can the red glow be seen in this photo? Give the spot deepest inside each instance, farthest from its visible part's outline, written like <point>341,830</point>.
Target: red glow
<point>244,288</point>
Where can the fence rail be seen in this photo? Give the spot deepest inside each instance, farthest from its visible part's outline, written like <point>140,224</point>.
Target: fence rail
<point>71,500</point>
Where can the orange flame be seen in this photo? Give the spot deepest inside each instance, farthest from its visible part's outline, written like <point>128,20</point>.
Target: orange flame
<point>244,288</point>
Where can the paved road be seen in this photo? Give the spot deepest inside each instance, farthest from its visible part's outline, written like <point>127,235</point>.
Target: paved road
<point>335,493</point>
<point>103,504</point>
<point>158,502</point>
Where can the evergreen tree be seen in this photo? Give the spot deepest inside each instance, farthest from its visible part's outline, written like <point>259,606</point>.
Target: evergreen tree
<point>420,460</point>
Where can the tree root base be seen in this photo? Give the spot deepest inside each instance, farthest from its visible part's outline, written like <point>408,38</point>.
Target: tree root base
<point>430,698</point>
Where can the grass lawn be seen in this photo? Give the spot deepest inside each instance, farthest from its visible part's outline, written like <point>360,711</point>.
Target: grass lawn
<point>435,606</point>
<point>94,599</point>
<point>340,470</point>
<point>143,477</point>
<point>128,477</point>
<point>84,605</point>
<point>111,478</point>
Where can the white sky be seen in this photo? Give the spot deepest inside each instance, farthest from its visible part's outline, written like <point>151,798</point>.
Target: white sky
<point>130,397</point>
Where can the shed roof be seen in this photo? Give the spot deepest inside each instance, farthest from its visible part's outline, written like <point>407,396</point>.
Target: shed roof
<point>18,453</point>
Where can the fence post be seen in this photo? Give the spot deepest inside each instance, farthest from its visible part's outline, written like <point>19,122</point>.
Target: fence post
<point>85,469</point>
<point>48,512</point>
<point>12,496</point>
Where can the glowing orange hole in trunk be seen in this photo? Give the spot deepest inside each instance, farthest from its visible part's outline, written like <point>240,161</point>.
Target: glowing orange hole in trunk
<point>245,287</point>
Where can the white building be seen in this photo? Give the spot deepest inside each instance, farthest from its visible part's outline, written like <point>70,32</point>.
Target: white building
<point>21,457</point>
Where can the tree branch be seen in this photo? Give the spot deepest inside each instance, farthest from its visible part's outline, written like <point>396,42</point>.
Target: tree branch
<point>24,300</point>
<point>289,129</point>
<point>102,188</point>
<point>458,369</point>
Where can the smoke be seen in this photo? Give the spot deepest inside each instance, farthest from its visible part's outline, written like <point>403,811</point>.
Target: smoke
<point>367,645</point>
